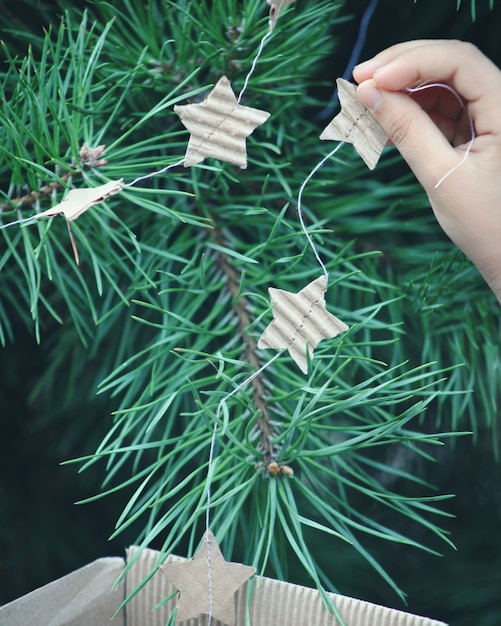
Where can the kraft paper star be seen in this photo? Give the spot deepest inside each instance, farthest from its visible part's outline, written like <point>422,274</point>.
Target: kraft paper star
<point>300,322</point>
<point>77,201</point>
<point>219,126</point>
<point>276,7</point>
<point>355,124</point>
<point>191,578</point>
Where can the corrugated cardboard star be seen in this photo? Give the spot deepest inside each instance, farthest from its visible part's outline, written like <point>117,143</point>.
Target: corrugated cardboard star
<point>191,578</point>
<point>355,124</point>
<point>300,322</point>
<point>77,201</point>
<point>219,126</point>
<point>276,7</point>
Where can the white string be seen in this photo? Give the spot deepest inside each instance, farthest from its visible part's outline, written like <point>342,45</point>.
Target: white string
<point>470,119</point>
<point>245,382</point>
<point>254,63</point>
<point>300,209</point>
<point>209,475</point>
<point>151,174</point>
<point>21,221</point>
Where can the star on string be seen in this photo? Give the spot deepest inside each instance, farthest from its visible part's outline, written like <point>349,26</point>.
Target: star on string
<point>191,578</point>
<point>219,126</point>
<point>77,201</point>
<point>355,124</point>
<point>300,322</point>
<point>276,7</point>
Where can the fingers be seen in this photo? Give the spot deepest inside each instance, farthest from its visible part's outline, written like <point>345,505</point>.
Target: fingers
<point>457,63</point>
<point>413,132</point>
<point>422,135</point>
<point>421,124</point>
<point>366,70</point>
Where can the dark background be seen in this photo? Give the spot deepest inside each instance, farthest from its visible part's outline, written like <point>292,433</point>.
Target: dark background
<point>43,535</point>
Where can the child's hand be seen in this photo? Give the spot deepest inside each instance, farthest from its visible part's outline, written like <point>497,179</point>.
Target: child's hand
<point>431,130</point>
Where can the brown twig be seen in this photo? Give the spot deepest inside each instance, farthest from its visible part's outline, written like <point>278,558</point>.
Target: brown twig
<point>240,307</point>
<point>89,158</point>
<point>31,197</point>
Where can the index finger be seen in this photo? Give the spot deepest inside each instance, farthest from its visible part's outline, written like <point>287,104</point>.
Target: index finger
<point>458,63</point>
<point>365,70</point>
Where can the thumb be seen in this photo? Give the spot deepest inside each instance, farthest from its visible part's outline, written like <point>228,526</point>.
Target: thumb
<point>413,132</point>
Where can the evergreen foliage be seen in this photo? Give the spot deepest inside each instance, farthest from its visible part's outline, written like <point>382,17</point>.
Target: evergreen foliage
<point>164,311</point>
<point>473,7</point>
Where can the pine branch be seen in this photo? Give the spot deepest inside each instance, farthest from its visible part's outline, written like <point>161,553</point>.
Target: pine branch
<point>158,299</point>
<point>89,158</point>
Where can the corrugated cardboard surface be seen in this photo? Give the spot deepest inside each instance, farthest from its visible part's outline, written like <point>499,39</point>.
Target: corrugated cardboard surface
<point>85,598</point>
<point>273,603</point>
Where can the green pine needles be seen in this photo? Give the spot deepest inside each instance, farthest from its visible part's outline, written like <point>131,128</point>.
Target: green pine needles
<point>473,7</point>
<point>164,312</point>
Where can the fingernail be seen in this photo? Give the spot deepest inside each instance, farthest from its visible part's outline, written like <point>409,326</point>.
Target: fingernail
<point>364,65</point>
<point>370,96</point>
<point>361,66</point>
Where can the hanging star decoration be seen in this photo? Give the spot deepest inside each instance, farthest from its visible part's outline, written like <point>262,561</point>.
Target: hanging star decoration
<point>355,124</point>
<point>219,126</point>
<point>198,593</point>
<point>77,201</point>
<point>300,322</point>
<point>276,7</point>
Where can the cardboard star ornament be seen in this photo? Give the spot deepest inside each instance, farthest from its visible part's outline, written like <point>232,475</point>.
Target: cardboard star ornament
<point>219,126</point>
<point>196,594</point>
<point>276,7</point>
<point>300,322</point>
<point>77,201</point>
<point>355,124</point>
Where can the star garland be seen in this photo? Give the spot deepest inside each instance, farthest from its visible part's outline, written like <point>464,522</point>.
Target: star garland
<point>218,128</point>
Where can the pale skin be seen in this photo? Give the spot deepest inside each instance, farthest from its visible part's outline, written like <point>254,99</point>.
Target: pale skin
<point>431,130</point>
